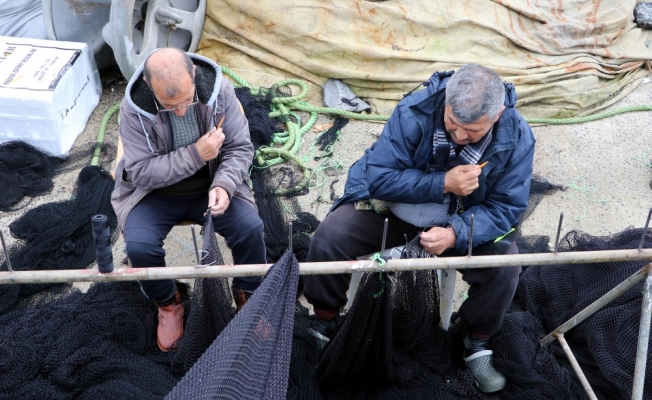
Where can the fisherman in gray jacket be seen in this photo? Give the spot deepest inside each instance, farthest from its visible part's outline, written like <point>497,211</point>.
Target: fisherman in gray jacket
<point>187,154</point>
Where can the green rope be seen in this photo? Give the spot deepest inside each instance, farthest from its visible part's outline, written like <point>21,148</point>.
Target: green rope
<point>499,238</point>
<point>588,118</point>
<point>294,103</point>
<point>286,145</point>
<point>100,136</point>
<point>379,259</point>
<point>381,262</point>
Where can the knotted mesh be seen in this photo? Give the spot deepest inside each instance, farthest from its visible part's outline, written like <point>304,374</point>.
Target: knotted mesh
<point>58,236</point>
<point>605,343</point>
<point>251,358</point>
<point>210,308</point>
<point>390,342</point>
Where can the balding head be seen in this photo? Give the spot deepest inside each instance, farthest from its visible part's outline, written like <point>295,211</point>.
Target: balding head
<point>169,69</point>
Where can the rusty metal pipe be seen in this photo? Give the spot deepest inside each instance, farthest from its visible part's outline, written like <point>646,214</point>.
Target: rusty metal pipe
<point>333,267</point>
<point>576,366</point>
<point>643,340</point>
<point>598,304</point>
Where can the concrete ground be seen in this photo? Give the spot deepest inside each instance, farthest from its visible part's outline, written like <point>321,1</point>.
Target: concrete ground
<point>605,165</point>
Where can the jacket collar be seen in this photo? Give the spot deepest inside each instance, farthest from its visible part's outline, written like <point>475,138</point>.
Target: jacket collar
<point>208,80</point>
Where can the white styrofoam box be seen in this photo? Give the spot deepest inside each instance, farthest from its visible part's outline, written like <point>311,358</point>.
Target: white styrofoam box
<point>48,90</point>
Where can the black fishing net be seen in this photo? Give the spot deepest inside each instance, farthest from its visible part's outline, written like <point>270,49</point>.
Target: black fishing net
<point>28,171</point>
<point>604,344</point>
<point>389,343</point>
<point>83,345</point>
<point>57,236</point>
<point>24,172</point>
<point>210,308</point>
<point>276,211</point>
<point>251,358</point>
<point>329,137</point>
<point>372,355</point>
<point>59,342</point>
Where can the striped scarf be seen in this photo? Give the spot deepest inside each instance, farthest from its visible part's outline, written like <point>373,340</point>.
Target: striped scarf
<point>470,154</point>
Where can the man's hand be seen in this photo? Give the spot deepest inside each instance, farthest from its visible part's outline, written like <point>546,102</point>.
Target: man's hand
<point>462,180</point>
<point>218,201</point>
<point>436,240</point>
<point>210,144</point>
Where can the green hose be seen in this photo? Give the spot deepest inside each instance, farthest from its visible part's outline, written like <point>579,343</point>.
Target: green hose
<point>100,136</point>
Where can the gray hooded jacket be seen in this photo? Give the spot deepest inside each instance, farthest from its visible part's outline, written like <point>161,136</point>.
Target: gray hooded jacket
<point>149,162</point>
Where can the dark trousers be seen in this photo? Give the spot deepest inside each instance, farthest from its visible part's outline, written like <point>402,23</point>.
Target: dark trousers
<point>149,223</point>
<point>347,233</point>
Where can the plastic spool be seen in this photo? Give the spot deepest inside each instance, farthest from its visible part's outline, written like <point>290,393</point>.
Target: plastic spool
<point>102,238</point>
<point>136,27</point>
<point>79,21</point>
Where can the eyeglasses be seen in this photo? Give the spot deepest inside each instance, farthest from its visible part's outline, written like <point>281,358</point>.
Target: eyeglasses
<point>184,107</point>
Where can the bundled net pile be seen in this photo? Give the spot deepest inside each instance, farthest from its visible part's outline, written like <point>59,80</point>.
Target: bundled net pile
<point>24,172</point>
<point>604,344</point>
<point>56,236</point>
<point>27,171</point>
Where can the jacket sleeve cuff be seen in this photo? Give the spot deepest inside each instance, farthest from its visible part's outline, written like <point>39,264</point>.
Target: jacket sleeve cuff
<point>226,185</point>
<point>194,155</point>
<point>437,192</point>
<point>462,233</point>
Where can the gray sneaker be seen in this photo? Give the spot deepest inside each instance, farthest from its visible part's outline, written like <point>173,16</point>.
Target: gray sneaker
<point>486,377</point>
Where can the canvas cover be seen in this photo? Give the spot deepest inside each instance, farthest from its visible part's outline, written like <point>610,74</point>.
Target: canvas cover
<point>565,57</point>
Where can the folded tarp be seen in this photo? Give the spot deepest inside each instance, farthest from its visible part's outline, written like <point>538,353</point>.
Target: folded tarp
<point>565,57</point>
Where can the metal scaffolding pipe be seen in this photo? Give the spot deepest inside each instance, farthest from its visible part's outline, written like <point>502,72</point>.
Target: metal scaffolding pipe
<point>576,366</point>
<point>333,267</point>
<point>643,340</point>
<point>598,304</point>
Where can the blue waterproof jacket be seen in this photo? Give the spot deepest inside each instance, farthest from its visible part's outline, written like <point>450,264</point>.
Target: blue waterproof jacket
<point>399,167</point>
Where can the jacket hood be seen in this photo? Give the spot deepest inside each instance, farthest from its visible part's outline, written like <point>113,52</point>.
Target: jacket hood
<point>208,79</point>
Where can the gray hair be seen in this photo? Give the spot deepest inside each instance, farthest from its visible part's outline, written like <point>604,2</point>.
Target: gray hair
<point>474,91</point>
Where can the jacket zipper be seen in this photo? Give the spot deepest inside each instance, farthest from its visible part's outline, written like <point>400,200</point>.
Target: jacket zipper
<point>161,136</point>
<point>147,192</point>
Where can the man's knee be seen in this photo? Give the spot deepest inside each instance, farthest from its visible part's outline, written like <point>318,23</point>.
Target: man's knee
<point>508,274</point>
<point>245,232</point>
<point>503,276</point>
<point>329,236</point>
<point>142,254</point>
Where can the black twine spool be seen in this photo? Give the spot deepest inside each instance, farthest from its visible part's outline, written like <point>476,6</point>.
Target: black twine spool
<point>102,238</point>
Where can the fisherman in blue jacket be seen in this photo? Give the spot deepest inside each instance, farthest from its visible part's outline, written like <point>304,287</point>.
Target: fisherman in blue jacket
<point>425,170</point>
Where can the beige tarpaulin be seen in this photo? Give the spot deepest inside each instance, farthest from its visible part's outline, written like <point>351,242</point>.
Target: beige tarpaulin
<point>565,57</point>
